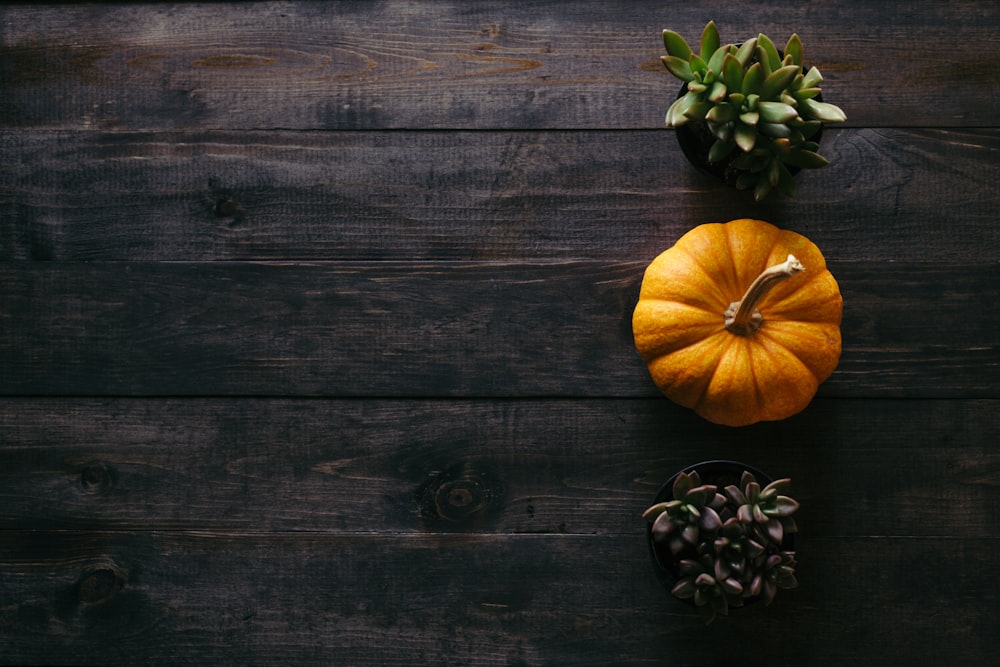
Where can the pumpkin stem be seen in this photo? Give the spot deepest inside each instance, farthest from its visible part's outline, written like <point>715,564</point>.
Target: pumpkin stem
<point>742,317</point>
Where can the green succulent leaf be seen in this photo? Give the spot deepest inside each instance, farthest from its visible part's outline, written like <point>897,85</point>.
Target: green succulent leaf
<point>722,113</point>
<point>776,83</point>
<point>697,63</point>
<point>676,45</point>
<point>805,159</point>
<point>745,137</point>
<point>776,112</point>
<point>720,150</point>
<point>793,49</point>
<point>823,111</point>
<point>775,130</point>
<point>709,40</point>
<point>805,93</point>
<point>752,80</point>
<point>751,118</point>
<point>715,61</point>
<point>717,92</point>
<point>812,78</point>
<point>698,110</point>
<point>767,53</point>
<point>675,113</point>
<point>732,72</point>
<point>679,67</point>
<point>745,53</point>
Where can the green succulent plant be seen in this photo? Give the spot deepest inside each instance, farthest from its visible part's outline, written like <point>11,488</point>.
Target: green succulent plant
<point>727,548</point>
<point>755,102</point>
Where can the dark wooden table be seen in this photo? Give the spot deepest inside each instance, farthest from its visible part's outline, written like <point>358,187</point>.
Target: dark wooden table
<point>315,338</point>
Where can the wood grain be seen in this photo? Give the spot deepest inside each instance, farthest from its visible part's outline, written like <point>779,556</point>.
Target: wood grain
<point>167,598</point>
<point>449,329</point>
<point>909,468</point>
<point>318,65</point>
<point>899,195</point>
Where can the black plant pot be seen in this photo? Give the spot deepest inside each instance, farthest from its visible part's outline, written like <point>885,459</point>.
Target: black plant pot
<point>720,473</point>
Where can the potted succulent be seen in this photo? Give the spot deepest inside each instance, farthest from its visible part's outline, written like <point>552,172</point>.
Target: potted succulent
<point>721,535</point>
<point>748,113</point>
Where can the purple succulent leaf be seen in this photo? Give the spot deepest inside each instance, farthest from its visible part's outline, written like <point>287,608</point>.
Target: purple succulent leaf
<point>768,591</point>
<point>779,486</point>
<point>662,527</point>
<point>705,581</point>
<point>710,520</point>
<point>785,506</point>
<point>676,544</point>
<point>689,568</point>
<point>758,514</point>
<point>654,511</point>
<point>745,514</point>
<point>731,586</point>
<point>735,495</point>
<point>722,571</point>
<point>753,549</point>
<point>684,588</point>
<point>775,531</point>
<point>690,533</point>
<point>746,478</point>
<point>699,496</point>
<point>718,502</point>
<point>757,585</point>
<point>789,524</point>
<point>681,485</point>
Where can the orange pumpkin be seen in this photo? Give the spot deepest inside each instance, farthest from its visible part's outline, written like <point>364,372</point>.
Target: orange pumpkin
<point>739,321</point>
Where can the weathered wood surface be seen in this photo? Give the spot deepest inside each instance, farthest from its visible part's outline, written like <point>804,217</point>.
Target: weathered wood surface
<point>921,195</point>
<point>513,466</point>
<point>315,336</point>
<point>458,329</point>
<point>280,598</point>
<point>307,65</point>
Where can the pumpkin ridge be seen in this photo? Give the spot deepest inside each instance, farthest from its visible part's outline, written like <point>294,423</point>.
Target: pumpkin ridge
<point>707,277</point>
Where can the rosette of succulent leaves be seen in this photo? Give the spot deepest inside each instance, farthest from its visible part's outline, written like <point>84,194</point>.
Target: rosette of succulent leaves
<point>727,547</point>
<point>753,100</point>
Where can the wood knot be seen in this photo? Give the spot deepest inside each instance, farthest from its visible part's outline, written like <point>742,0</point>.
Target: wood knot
<point>97,478</point>
<point>100,585</point>
<point>462,496</point>
<point>229,207</point>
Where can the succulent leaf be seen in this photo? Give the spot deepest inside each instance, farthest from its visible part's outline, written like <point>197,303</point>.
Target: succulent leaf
<point>793,49</point>
<point>745,53</point>
<point>771,60</point>
<point>823,111</point>
<point>709,40</point>
<point>777,82</point>
<point>679,67</point>
<point>732,73</point>
<point>753,79</point>
<point>776,112</point>
<point>676,45</point>
<point>745,136</point>
<point>812,78</point>
<point>720,150</point>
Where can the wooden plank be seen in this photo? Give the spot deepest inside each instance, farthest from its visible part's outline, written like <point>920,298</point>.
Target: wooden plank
<point>207,598</point>
<point>441,329</point>
<point>320,65</point>
<point>900,195</point>
<point>909,468</point>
